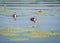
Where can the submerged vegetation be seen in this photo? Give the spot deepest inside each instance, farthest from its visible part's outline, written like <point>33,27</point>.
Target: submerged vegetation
<point>19,39</point>
<point>8,34</point>
<point>40,34</point>
<point>12,28</point>
<point>11,31</point>
<point>32,26</point>
<point>40,12</point>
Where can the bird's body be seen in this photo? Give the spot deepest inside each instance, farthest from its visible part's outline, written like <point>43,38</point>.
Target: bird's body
<point>33,19</point>
<point>14,15</point>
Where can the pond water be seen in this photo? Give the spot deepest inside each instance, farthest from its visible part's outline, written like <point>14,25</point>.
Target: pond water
<point>13,31</point>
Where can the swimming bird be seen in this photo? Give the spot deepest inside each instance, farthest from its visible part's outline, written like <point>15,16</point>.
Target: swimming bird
<point>33,19</point>
<point>14,15</point>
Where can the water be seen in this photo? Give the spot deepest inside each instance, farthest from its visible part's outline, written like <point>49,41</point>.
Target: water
<point>44,23</point>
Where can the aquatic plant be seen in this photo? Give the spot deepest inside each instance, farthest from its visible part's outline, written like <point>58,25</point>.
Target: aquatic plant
<point>30,33</point>
<point>12,28</point>
<point>39,12</point>
<point>32,26</point>
<point>8,34</point>
<point>18,39</point>
<point>40,34</point>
